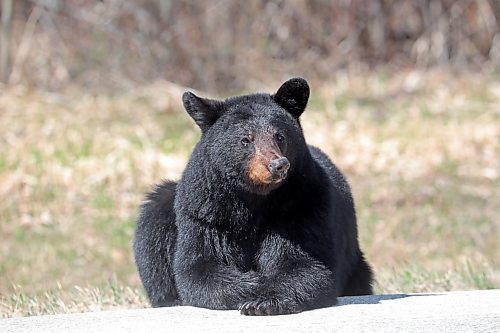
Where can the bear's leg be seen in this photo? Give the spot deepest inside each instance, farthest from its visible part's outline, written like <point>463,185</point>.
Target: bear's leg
<point>360,280</point>
<point>154,244</point>
<point>203,273</point>
<point>294,281</point>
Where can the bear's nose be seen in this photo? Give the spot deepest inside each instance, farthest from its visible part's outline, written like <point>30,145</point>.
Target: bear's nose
<point>279,167</point>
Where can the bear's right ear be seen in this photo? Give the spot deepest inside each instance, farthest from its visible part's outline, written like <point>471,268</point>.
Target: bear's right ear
<point>293,96</point>
<point>204,111</point>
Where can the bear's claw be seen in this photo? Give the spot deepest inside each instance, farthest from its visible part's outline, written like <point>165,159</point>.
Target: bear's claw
<point>267,307</point>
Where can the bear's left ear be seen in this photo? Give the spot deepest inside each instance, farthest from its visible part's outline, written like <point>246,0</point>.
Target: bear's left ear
<point>204,111</point>
<point>293,96</point>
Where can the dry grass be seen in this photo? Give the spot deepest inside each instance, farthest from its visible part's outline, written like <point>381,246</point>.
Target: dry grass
<point>421,151</point>
<point>75,299</point>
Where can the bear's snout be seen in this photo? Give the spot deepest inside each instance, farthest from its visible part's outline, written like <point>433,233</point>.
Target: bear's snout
<point>266,168</point>
<point>279,168</point>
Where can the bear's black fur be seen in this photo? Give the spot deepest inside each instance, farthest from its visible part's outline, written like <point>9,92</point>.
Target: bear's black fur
<point>259,222</point>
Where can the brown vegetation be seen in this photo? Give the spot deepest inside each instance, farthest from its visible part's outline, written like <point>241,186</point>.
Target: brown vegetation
<point>224,46</point>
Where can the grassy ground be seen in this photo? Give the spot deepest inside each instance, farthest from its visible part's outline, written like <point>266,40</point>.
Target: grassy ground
<point>421,151</point>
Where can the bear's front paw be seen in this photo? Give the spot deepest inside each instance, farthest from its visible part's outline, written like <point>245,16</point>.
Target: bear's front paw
<point>268,307</point>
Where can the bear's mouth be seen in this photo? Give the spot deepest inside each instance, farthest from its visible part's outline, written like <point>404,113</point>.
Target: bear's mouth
<point>276,179</point>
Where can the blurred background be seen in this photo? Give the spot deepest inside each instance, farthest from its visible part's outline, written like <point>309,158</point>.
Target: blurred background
<point>225,46</point>
<point>405,99</point>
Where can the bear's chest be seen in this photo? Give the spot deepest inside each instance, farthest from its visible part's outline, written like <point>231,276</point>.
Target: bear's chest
<point>248,248</point>
<point>241,249</point>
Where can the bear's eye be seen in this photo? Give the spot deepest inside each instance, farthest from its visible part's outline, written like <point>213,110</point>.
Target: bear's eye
<point>279,137</point>
<point>245,141</point>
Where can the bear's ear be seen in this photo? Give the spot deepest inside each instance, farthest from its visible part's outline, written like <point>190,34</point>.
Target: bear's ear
<point>293,96</point>
<point>204,111</point>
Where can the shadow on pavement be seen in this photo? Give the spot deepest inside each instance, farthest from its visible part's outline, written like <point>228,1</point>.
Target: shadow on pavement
<point>375,299</point>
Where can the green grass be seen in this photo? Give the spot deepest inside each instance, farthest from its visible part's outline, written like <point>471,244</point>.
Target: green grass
<point>419,149</point>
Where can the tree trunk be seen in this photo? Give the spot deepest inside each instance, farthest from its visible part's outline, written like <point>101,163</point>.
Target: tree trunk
<point>5,39</point>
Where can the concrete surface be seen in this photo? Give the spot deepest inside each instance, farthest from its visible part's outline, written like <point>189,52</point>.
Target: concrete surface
<point>470,311</point>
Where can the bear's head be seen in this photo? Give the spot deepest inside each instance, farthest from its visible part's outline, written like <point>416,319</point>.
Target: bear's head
<point>253,141</point>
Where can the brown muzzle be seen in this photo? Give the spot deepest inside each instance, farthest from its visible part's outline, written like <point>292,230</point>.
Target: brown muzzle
<point>267,165</point>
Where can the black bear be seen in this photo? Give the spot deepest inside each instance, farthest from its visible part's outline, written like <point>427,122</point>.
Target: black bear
<point>259,222</point>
